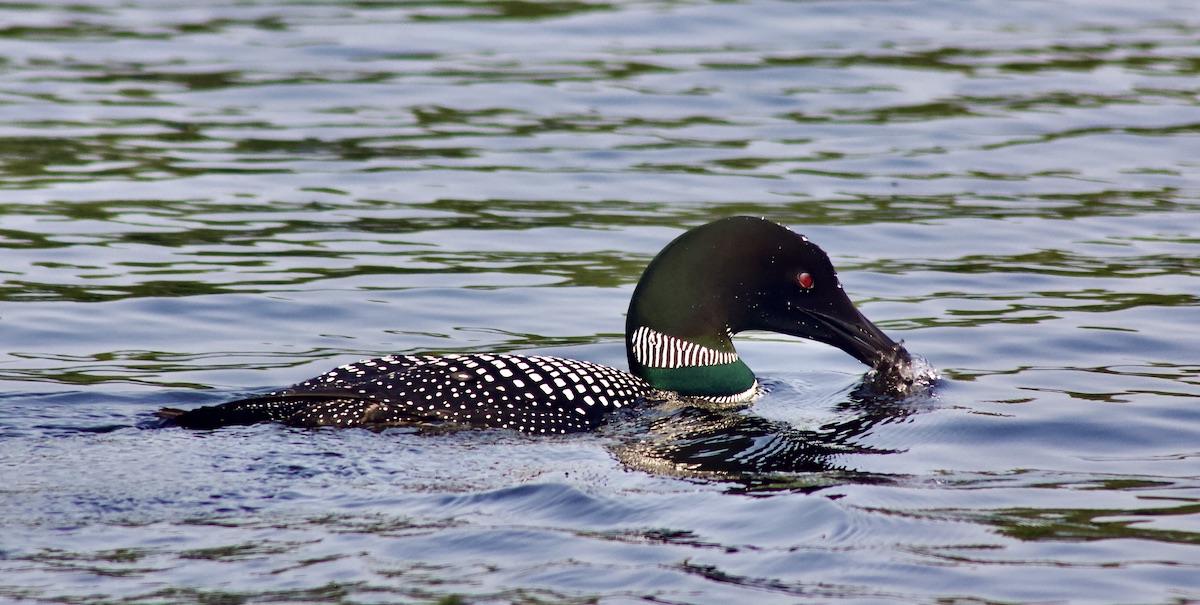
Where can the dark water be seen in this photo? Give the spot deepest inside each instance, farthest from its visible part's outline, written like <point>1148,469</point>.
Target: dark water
<point>204,200</point>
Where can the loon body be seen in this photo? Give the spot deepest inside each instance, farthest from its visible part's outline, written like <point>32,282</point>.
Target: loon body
<point>716,280</point>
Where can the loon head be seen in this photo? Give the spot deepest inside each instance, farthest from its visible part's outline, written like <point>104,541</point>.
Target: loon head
<point>735,274</point>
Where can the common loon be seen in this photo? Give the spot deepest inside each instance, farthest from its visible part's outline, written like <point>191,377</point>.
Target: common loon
<point>730,275</point>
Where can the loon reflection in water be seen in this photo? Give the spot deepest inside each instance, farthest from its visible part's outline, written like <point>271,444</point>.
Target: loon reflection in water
<point>758,454</point>
<point>716,280</point>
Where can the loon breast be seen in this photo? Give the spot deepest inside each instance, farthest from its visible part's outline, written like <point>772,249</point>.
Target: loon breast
<point>528,393</point>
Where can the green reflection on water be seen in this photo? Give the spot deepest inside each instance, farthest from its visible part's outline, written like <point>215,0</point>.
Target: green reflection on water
<point>73,31</point>
<point>898,113</point>
<point>499,9</point>
<point>1158,57</point>
<point>500,213</point>
<point>1055,262</point>
<point>1094,524</point>
<point>314,240</point>
<point>142,367</point>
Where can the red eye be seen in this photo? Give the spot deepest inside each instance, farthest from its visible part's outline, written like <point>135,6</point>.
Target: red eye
<point>805,280</point>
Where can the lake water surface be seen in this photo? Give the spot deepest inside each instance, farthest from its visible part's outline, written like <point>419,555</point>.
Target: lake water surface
<point>200,201</point>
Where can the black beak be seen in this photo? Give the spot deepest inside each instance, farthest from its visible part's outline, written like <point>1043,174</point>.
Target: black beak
<point>891,364</point>
<point>839,323</point>
<point>856,335</point>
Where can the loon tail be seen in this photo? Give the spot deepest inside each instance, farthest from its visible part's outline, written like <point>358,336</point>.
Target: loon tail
<point>293,409</point>
<point>169,414</point>
<point>235,413</point>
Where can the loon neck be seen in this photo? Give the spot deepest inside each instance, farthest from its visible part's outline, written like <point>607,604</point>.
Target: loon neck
<point>689,302</point>
<point>670,363</point>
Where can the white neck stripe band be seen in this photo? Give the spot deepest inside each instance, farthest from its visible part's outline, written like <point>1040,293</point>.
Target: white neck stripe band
<point>657,350</point>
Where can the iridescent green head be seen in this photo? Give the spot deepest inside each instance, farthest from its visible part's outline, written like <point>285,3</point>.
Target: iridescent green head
<point>735,274</point>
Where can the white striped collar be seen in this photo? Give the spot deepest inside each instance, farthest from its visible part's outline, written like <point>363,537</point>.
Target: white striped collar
<point>654,349</point>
